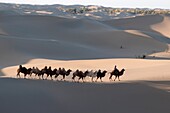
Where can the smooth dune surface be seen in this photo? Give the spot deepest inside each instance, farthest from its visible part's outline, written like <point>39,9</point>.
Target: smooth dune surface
<point>85,44</point>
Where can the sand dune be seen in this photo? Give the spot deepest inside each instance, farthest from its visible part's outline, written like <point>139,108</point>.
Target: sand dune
<point>46,26</point>
<point>151,25</point>
<point>142,23</point>
<point>163,27</point>
<point>85,44</point>
<point>31,36</point>
<point>18,95</point>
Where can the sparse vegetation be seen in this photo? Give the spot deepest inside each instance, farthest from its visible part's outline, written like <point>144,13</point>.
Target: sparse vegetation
<point>57,10</point>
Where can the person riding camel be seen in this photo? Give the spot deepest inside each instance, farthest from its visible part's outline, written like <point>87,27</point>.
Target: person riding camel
<point>115,69</point>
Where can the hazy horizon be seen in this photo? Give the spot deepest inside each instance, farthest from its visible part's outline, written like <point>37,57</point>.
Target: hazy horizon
<point>115,3</point>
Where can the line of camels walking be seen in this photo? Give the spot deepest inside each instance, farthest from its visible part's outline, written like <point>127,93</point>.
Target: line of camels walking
<point>53,74</point>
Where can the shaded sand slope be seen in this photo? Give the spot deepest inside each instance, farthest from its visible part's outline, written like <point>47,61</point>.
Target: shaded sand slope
<point>155,26</point>
<point>9,54</point>
<point>35,26</point>
<point>45,96</point>
<point>163,27</point>
<point>142,23</point>
<point>26,37</point>
<point>100,45</point>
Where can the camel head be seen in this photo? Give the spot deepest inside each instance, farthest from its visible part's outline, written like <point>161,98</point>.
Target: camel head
<point>104,71</point>
<point>20,66</point>
<point>69,70</point>
<point>122,71</point>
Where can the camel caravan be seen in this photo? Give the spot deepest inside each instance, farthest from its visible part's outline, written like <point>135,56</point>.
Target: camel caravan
<point>53,74</point>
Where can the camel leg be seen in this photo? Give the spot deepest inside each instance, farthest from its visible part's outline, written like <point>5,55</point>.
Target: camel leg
<point>115,78</point>
<point>101,79</point>
<point>39,75</point>
<point>25,76</point>
<point>64,77</point>
<point>47,76</point>
<point>92,79</point>
<point>43,76</point>
<point>35,76</point>
<point>30,75</point>
<point>51,77</point>
<point>79,79</point>
<point>18,75</point>
<point>82,79</point>
<point>56,77</point>
<point>110,78</point>
<point>96,79</point>
<point>73,78</point>
<point>118,78</point>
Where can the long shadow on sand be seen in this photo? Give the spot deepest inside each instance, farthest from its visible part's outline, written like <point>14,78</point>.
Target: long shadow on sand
<point>37,96</point>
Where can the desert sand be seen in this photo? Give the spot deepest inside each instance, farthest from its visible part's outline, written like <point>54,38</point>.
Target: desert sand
<point>85,44</point>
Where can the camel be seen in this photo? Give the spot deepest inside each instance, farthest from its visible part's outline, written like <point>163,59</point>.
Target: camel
<point>48,72</point>
<point>23,70</point>
<point>62,72</point>
<point>79,74</point>
<point>92,74</point>
<point>116,73</point>
<point>53,72</point>
<point>36,71</point>
<point>57,73</point>
<point>44,71</point>
<point>101,75</point>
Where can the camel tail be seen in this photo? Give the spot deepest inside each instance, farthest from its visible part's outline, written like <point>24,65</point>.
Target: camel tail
<point>110,77</point>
